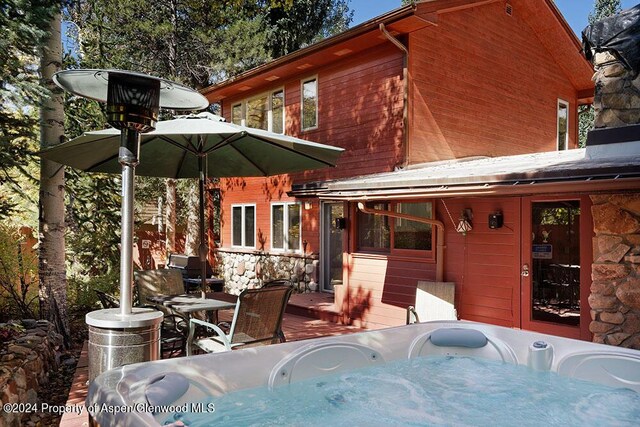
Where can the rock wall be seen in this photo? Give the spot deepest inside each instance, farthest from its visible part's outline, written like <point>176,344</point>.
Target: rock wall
<point>617,93</point>
<point>243,270</point>
<point>615,273</point>
<point>25,362</point>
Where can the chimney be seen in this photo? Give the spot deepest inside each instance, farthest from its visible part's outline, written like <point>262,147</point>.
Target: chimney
<point>613,46</point>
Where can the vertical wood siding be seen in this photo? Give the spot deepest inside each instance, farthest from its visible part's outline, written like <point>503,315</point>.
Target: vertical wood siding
<point>483,84</point>
<point>360,109</point>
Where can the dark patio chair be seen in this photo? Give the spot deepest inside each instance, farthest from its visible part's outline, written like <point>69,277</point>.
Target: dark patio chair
<point>173,331</point>
<point>106,300</point>
<point>257,320</point>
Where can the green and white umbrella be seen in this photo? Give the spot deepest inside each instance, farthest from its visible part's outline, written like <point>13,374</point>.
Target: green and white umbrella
<point>196,146</point>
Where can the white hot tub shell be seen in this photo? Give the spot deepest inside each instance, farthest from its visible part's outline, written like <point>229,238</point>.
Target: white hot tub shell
<point>131,390</point>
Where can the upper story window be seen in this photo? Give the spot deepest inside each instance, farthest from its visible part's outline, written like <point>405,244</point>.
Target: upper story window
<point>265,111</point>
<point>380,233</point>
<point>309,108</point>
<point>285,226</point>
<point>563,125</point>
<point>243,226</point>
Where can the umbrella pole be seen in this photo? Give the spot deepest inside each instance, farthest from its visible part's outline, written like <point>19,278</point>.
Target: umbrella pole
<point>128,158</point>
<point>202,249</point>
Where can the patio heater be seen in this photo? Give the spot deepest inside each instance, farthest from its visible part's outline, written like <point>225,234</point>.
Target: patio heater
<point>125,335</point>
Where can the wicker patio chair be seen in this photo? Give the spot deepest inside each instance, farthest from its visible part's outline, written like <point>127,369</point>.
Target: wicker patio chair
<point>257,320</point>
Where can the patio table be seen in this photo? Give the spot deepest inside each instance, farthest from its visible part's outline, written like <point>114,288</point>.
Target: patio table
<point>189,303</point>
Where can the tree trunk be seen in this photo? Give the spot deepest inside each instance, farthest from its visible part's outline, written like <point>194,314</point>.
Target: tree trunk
<point>51,259</point>
<point>192,239</point>
<point>171,217</point>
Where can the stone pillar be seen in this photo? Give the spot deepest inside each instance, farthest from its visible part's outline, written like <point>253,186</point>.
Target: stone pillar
<point>615,288</point>
<point>617,93</point>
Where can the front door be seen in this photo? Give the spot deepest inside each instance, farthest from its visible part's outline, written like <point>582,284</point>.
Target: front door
<point>553,275</point>
<point>333,221</point>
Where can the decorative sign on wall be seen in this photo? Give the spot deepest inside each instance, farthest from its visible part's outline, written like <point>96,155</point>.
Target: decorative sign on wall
<point>146,244</point>
<point>542,251</point>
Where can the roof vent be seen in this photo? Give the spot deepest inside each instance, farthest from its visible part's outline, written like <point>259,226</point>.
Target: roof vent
<point>509,9</point>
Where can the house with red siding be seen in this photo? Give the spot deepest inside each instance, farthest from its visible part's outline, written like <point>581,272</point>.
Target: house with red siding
<point>459,124</point>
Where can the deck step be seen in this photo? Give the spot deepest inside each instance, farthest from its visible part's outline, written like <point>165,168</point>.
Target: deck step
<point>314,305</point>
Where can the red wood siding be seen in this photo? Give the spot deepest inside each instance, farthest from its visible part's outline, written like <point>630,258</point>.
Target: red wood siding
<point>360,109</point>
<point>483,84</point>
<point>484,265</point>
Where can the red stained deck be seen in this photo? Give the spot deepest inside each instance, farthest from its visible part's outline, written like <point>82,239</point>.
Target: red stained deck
<point>316,307</point>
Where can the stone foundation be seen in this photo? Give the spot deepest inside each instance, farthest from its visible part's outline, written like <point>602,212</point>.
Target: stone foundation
<point>615,288</point>
<point>25,362</point>
<point>243,270</point>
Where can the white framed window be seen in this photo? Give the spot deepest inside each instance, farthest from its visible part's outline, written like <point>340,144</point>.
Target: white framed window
<point>309,103</point>
<point>236,115</point>
<point>563,125</point>
<point>243,226</point>
<point>264,111</point>
<point>286,226</point>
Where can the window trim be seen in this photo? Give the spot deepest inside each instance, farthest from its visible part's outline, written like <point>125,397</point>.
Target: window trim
<point>567,106</point>
<point>302,82</point>
<point>269,93</point>
<point>428,255</point>
<point>285,222</point>
<point>243,244</point>
<point>242,112</point>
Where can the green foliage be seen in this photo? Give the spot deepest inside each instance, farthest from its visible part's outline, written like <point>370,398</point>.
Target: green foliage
<point>18,275</point>
<point>23,25</point>
<point>585,123</point>
<point>604,9</point>
<point>81,290</point>
<point>303,22</point>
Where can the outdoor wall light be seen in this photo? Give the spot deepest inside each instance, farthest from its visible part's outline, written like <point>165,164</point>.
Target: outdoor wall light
<point>308,205</point>
<point>133,102</point>
<point>464,224</point>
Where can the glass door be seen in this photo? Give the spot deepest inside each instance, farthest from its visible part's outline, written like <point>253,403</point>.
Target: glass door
<point>551,269</point>
<point>333,228</point>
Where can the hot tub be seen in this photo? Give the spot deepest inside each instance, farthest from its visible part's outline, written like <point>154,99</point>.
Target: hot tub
<point>413,374</point>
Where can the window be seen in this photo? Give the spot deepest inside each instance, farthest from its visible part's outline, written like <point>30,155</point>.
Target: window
<point>285,226</point>
<point>265,111</point>
<point>236,114</point>
<point>411,234</point>
<point>310,103</point>
<point>243,226</point>
<point>563,125</point>
<point>381,233</point>
<point>374,230</point>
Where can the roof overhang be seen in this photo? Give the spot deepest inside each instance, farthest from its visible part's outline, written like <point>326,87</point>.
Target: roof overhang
<point>356,39</point>
<point>559,40</point>
<point>610,167</point>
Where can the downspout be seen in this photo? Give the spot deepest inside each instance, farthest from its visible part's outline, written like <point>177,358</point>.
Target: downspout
<point>439,236</point>
<point>405,94</point>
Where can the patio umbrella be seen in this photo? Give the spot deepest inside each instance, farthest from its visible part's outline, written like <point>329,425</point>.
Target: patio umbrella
<point>178,148</point>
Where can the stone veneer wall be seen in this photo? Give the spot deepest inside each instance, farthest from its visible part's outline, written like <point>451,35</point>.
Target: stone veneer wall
<point>615,273</point>
<point>617,93</point>
<point>25,363</point>
<point>242,270</point>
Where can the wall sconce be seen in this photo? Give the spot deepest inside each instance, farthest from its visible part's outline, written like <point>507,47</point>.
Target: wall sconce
<point>308,205</point>
<point>464,224</point>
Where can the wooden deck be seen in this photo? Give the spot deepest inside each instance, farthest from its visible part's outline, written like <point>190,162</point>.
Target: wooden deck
<point>295,327</point>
